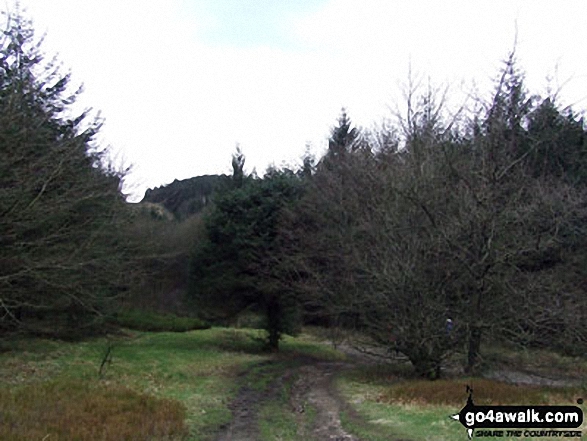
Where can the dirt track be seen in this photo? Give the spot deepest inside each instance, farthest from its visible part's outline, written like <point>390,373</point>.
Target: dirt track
<point>315,387</point>
<point>312,386</point>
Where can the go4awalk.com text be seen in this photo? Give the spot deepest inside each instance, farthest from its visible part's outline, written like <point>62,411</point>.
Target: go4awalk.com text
<point>527,433</point>
<point>520,421</point>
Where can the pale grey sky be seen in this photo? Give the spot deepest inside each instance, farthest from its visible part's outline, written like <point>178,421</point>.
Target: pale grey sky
<point>181,82</point>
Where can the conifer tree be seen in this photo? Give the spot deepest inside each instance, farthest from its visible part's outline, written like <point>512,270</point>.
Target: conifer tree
<point>237,266</point>
<point>342,138</point>
<point>60,203</point>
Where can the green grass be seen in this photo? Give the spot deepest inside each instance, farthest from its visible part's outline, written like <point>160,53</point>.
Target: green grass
<point>260,376</point>
<point>154,322</point>
<point>276,422</point>
<point>384,422</point>
<point>194,368</point>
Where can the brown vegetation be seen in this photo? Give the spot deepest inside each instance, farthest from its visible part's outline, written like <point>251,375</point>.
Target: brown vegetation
<point>85,411</point>
<point>485,392</point>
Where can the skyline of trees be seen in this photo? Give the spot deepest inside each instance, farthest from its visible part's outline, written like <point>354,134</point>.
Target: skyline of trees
<point>480,223</point>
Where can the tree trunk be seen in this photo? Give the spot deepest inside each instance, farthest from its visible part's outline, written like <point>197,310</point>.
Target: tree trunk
<point>274,323</point>
<point>474,348</point>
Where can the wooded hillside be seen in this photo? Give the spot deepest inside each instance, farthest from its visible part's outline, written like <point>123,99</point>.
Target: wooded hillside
<point>187,197</point>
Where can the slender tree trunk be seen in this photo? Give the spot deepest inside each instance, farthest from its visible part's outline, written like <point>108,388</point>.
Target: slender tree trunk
<point>475,329</point>
<point>274,323</point>
<point>475,334</point>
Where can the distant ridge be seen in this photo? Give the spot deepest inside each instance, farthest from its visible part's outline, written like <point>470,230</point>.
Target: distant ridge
<point>186,197</point>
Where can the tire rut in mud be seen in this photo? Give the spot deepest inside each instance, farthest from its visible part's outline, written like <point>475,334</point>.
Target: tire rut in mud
<point>247,403</point>
<point>313,386</point>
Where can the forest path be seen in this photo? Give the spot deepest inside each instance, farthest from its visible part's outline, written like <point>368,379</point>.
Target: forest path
<point>311,398</point>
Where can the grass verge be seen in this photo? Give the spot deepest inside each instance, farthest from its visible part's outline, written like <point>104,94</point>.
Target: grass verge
<point>538,361</point>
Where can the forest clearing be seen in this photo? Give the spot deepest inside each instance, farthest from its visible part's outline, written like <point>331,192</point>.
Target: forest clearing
<point>218,384</point>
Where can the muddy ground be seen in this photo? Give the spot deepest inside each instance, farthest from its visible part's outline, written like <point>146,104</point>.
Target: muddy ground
<point>312,397</point>
<point>311,390</point>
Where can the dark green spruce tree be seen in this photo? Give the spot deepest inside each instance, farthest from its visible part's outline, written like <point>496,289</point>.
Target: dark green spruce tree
<point>342,139</point>
<point>61,259</point>
<point>238,265</point>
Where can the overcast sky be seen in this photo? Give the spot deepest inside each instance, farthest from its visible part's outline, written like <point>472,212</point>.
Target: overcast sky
<point>181,82</point>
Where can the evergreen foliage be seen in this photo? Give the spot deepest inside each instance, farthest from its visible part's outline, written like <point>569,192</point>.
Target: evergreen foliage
<point>238,165</point>
<point>481,221</point>
<point>238,266</point>
<point>558,143</point>
<point>61,258</point>
<point>483,225</point>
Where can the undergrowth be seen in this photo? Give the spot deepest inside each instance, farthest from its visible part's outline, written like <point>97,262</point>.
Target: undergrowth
<point>75,410</point>
<point>485,392</point>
